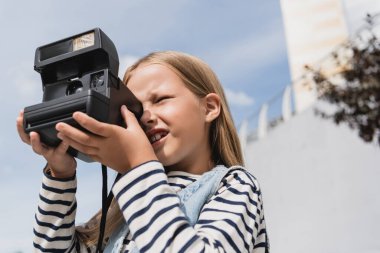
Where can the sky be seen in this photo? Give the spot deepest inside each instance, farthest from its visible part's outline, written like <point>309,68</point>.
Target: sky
<point>243,42</point>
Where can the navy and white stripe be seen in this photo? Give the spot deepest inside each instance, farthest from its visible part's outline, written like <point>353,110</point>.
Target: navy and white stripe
<point>231,221</point>
<point>178,180</point>
<point>54,228</point>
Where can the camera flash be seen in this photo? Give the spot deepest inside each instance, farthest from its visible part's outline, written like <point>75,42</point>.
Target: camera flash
<point>83,41</point>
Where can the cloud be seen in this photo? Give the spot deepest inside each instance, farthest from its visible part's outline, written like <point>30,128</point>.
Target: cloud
<point>238,98</point>
<point>26,83</point>
<point>125,62</point>
<point>5,170</point>
<point>253,53</point>
<point>15,244</point>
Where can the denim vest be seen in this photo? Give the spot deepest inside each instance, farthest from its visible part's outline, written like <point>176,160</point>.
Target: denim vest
<point>192,199</point>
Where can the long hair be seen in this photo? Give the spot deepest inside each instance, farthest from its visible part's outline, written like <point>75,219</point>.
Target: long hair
<point>223,138</point>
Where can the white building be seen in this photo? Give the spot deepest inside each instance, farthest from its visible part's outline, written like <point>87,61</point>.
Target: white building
<point>319,180</point>
<point>313,29</point>
<point>320,187</point>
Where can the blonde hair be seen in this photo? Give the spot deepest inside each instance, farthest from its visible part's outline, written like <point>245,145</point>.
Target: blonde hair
<point>223,138</point>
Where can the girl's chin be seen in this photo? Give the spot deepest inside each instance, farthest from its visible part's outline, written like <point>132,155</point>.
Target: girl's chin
<point>166,161</point>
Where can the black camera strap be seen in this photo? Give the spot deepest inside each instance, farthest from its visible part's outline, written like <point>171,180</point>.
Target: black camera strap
<point>106,202</point>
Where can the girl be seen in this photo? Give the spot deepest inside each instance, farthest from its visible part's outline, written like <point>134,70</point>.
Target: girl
<point>182,187</point>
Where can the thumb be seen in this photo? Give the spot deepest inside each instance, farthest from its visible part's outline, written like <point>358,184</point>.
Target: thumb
<point>128,116</point>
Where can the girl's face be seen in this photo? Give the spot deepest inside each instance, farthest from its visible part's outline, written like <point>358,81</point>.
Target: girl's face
<point>174,119</point>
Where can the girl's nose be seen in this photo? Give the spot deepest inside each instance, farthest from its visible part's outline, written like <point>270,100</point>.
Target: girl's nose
<point>148,118</point>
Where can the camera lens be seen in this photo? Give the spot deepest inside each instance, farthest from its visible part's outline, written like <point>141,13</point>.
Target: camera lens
<point>74,87</point>
<point>97,80</point>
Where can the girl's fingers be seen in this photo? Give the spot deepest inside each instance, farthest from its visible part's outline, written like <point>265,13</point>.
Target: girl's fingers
<point>70,134</point>
<point>62,148</point>
<point>91,124</point>
<point>37,145</point>
<point>78,145</point>
<point>20,128</point>
<point>128,116</point>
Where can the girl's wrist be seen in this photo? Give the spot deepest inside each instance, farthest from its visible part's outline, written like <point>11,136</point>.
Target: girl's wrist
<point>69,173</point>
<point>61,175</point>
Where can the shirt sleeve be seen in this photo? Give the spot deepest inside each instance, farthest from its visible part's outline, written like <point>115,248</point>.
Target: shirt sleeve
<point>54,226</point>
<point>152,211</point>
<point>233,219</point>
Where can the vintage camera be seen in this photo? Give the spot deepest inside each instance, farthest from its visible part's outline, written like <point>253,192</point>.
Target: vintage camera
<point>78,73</point>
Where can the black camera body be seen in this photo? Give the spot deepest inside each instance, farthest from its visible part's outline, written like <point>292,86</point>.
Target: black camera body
<point>78,73</point>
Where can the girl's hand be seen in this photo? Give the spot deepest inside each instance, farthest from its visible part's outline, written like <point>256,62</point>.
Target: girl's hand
<point>114,146</point>
<point>61,164</point>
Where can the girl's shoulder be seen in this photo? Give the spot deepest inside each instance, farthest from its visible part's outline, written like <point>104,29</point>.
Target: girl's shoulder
<point>239,177</point>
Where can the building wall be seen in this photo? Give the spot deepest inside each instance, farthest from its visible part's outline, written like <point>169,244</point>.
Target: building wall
<point>320,187</point>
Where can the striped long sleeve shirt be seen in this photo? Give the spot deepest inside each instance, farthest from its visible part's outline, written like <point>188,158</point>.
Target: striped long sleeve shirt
<point>231,221</point>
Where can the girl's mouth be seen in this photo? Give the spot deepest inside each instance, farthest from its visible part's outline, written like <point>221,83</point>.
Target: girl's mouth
<point>157,136</point>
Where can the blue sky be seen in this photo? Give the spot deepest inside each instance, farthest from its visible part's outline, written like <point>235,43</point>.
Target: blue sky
<point>243,41</point>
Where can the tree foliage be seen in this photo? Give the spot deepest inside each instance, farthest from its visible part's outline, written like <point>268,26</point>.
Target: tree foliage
<point>355,87</point>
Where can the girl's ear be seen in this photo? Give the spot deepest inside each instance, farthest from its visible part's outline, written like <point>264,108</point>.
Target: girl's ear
<point>212,106</point>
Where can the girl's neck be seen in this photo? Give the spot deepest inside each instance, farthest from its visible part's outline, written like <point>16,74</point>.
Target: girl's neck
<point>193,167</point>
<point>197,162</point>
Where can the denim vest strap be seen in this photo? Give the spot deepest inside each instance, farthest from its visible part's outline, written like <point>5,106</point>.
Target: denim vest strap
<point>192,199</point>
<point>196,194</point>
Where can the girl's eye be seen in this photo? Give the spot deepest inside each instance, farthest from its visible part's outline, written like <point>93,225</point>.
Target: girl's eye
<point>161,99</point>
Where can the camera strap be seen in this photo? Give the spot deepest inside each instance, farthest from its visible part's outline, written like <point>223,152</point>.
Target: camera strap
<point>106,202</point>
